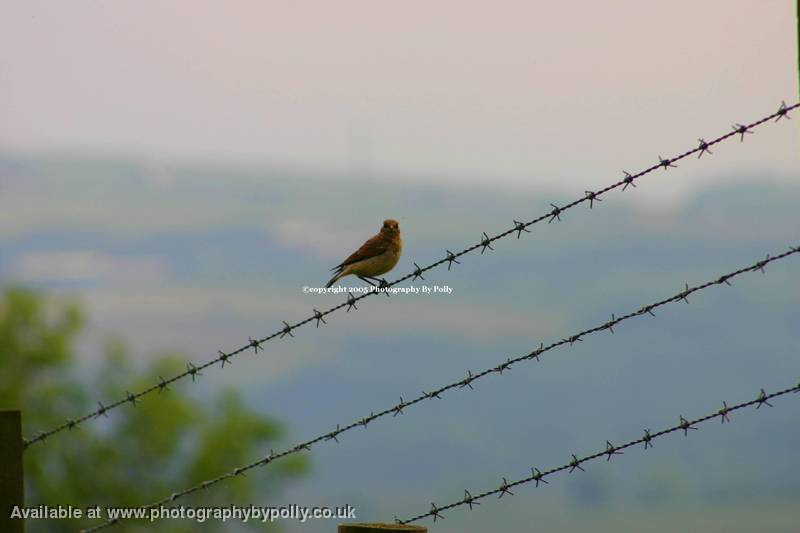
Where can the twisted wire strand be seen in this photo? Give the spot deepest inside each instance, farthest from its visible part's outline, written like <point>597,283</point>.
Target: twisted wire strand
<point>462,383</point>
<point>538,476</point>
<point>485,243</point>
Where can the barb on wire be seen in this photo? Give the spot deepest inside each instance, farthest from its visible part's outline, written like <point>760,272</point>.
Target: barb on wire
<point>576,462</point>
<point>461,384</point>
<point>450,258</point>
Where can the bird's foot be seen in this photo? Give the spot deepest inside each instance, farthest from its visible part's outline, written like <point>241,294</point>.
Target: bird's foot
<point>367,279</point>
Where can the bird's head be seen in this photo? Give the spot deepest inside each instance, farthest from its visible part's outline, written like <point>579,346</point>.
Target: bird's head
<point>390,227</point>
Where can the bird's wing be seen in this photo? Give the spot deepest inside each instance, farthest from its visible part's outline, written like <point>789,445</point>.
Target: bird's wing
<point>373,247</point>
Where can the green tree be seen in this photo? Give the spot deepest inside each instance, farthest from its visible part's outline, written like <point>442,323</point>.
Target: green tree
<point>136,455</point>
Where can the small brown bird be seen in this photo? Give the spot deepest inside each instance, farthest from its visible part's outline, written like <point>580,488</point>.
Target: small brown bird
<point>375,257</point>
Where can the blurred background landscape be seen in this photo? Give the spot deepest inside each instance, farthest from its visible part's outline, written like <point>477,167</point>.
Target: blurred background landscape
<point>218,271</point>
<point>178,186</point>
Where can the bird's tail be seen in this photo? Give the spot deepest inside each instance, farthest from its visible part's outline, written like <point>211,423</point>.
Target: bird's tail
<point>334,279</point>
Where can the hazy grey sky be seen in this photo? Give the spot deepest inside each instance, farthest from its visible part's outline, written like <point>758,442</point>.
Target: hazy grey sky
<point>534,92</point>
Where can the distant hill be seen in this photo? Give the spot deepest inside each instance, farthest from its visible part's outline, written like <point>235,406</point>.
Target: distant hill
<point>198,258</point>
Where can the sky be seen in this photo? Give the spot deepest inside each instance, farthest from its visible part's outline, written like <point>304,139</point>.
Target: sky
<point>554,94</point>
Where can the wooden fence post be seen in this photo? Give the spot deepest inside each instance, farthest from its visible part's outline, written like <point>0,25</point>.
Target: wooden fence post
<point>381,528</point>
<point>11,487</point>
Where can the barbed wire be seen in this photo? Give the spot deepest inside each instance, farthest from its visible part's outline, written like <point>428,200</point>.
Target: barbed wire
<point>465,382</point>
<point>450,258</point>
<point>575,463</point>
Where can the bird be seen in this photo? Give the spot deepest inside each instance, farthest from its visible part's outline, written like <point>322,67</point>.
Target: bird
<point>375,257</point>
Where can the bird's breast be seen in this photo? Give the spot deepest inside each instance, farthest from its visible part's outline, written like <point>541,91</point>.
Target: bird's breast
<point>379,264</point>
